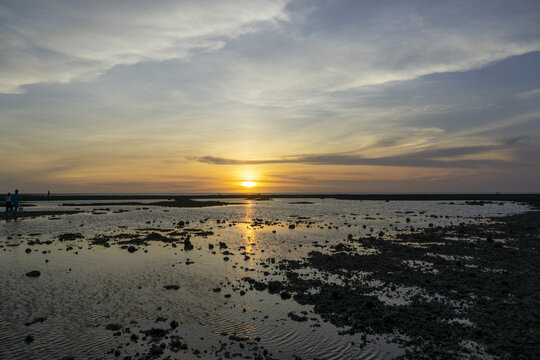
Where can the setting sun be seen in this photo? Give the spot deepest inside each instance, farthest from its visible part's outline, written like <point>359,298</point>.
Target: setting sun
<point>249,184</point>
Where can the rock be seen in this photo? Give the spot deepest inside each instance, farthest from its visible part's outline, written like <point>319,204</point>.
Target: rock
<point>222,245</point>
<point>33,273</point>
<point>155,333</point>
<point>298,318</point>
<point>154,236</point>
<point>174,324</point>
<point>113,327</point>
<point>274,287</point>
<point>28,339</point>
<point>341,247</point>
<point>28,251</point>
<point>35,321</point>
<point>285,295</point>
<point>187,244</point>
<point>131,249</point>
<point>336,294</point>
<point>70,236</point>
<point>259,286</point>
<point>172,287</point>
<point>155,351</point>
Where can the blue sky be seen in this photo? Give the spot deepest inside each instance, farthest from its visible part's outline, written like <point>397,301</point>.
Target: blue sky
<point>301,96</point>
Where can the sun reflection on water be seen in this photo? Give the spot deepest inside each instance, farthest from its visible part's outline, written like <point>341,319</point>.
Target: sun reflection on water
<point>249,232</point>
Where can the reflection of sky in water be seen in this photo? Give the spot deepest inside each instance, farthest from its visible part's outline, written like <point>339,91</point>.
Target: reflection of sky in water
<point>108,285</point>
<point>249,232</point>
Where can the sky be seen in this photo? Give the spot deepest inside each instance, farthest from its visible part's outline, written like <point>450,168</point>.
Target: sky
<point>299,96</point>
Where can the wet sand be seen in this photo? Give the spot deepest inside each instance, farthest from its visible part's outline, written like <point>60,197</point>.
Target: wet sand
<point>33,214</point>
<point>176,202</point>
<point>424,286</point>
<point>489,280</point>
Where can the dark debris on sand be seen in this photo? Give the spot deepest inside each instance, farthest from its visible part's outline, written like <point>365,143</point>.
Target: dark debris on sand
<point>143,237</point>
<point>487,274</point>
<point>70,236</point>
<point>168,343</point>
<point>187,202</point>
<point>33,273</point>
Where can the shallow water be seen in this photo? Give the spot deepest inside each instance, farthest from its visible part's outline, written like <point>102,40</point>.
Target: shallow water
<point>82,290</point>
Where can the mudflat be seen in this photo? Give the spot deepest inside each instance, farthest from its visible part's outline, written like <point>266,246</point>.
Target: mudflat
<point>280,279</point>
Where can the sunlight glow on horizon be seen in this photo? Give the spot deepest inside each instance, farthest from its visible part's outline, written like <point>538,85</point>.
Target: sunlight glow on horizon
<point>249,184</point>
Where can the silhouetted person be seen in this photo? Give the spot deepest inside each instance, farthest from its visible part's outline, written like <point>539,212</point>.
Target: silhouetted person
<point>9,204</point>
<point>16,201</point>
<point>49,193</point>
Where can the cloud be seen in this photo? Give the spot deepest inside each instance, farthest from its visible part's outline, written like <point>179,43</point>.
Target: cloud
<point>294,54</point>
<point>319,52</point>
<point>451,157</point>
<point>62,41</point>
<point>530,94</point>
<point>332,159</point>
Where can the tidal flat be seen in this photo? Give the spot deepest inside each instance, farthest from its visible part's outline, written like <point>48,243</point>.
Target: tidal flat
<point>286,278</point>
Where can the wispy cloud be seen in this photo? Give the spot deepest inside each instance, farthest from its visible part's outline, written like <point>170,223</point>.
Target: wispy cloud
<point>300,56</point>
<point>331,159</point>
<point>62,41</point>
<point>436,158</point>
<point>530,94</point>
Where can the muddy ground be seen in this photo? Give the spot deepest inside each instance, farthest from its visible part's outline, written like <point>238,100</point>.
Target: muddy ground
<point>453,292</point>
<point>461,291</point>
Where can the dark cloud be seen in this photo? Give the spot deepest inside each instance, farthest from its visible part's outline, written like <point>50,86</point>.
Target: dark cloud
<point>436,158</point>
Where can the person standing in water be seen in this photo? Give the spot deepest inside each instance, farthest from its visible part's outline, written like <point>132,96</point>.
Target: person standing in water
<point>9,204</point>
<point>15,200</point>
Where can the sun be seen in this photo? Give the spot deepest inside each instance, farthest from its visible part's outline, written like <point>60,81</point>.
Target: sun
<point>249,184</point>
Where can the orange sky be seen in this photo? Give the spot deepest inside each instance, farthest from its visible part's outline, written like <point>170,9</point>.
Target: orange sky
<point>198,97</point>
